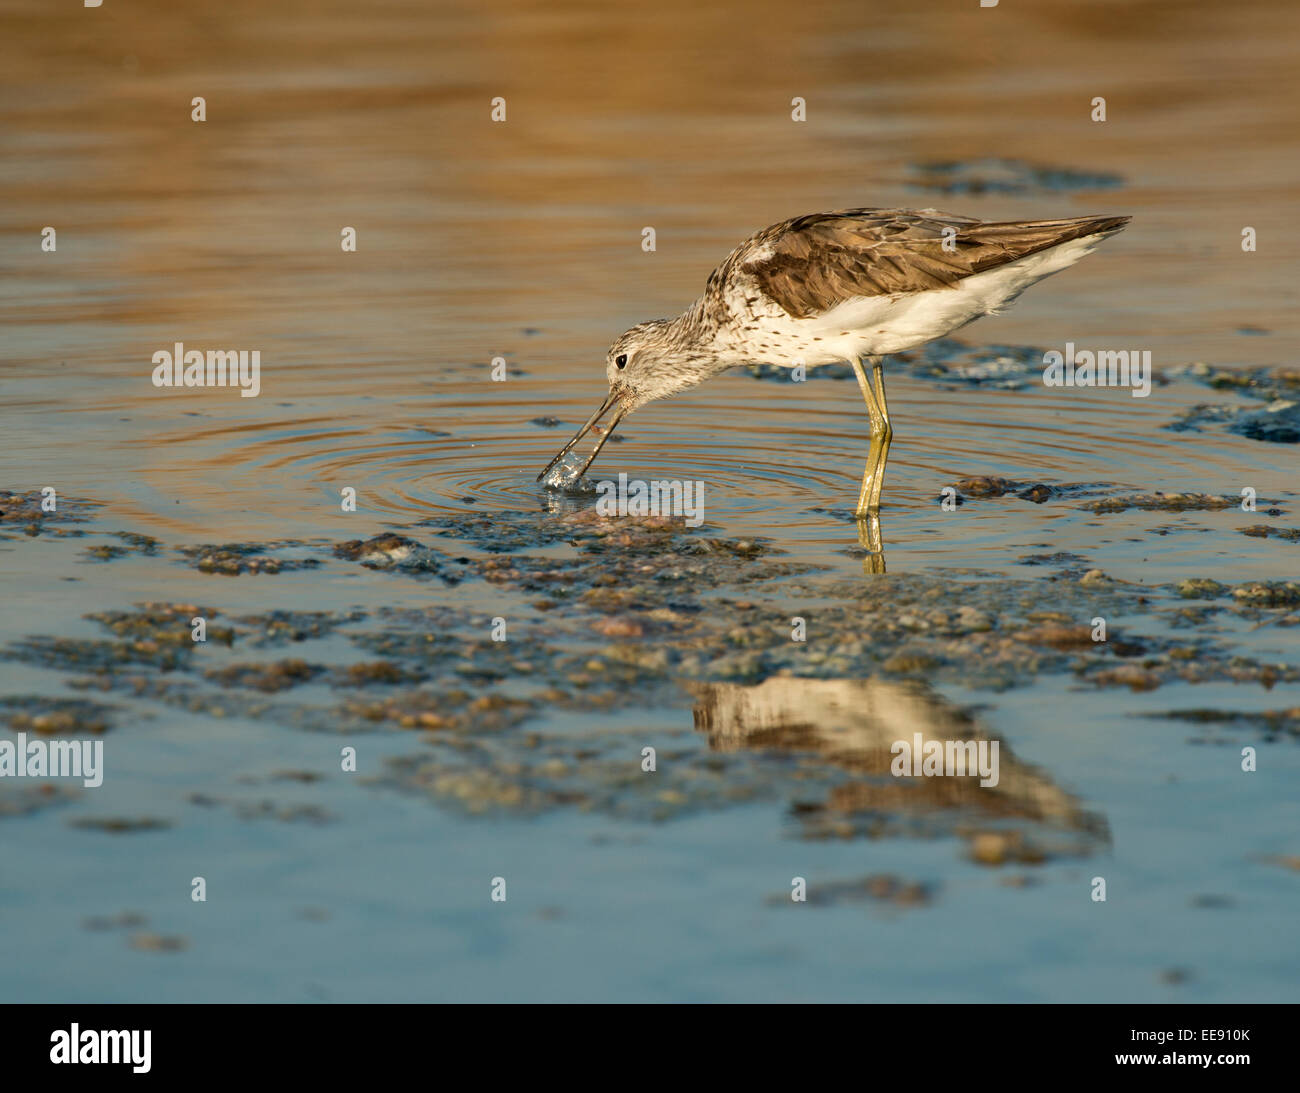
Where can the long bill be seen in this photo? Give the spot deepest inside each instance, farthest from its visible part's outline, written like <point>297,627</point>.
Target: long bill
<point>610,400</point>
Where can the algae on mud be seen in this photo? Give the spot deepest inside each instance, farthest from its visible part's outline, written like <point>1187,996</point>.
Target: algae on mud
<point>646,612</point>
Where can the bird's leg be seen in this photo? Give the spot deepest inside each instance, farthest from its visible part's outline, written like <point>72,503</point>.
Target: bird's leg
<point>873,475</point>
<point>886,435</point>
<point>873,560</point>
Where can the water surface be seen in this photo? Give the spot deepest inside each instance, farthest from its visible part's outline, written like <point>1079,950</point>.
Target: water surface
<point>522,241</point>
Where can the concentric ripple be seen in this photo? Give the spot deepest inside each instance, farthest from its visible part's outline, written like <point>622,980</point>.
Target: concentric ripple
<point>779,460</point>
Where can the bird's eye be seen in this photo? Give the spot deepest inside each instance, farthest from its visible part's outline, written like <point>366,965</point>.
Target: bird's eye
<point>621,361</point>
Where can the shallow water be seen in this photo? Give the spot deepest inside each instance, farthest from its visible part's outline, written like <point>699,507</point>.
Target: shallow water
<point>523,241</point>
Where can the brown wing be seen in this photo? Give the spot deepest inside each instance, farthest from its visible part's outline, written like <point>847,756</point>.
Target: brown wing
<point>811,263</point>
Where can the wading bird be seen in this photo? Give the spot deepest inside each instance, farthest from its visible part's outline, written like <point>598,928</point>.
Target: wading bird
<point>853,286</point>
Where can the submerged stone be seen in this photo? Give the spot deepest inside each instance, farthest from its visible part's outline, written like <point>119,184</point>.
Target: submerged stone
<point>235,559</point>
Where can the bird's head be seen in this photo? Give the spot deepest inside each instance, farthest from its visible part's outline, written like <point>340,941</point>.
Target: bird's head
<point>650,361</point>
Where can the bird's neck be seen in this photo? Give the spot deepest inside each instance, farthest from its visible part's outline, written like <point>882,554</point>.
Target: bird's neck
<point>697,335</point>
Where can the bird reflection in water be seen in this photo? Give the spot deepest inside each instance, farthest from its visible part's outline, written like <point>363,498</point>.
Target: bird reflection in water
<point>854,725</point>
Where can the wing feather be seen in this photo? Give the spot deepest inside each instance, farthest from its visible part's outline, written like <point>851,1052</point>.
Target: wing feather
<point>812,263</point>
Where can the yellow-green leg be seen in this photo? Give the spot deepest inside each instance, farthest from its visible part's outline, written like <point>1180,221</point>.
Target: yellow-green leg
<point>873,478</point>
<point>886,435</point>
